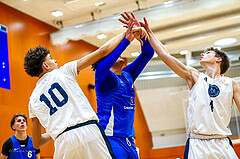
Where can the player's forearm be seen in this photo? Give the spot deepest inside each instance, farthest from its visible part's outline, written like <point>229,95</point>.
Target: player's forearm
<point>100,53</point>
<point>45,138</point>
<point>137,66</point>
<point>110,45</point>
<point>147,49</point>
<point>109,61</point>
<point>3,156</point>
<point>159,48</point>
<point>38,156</point>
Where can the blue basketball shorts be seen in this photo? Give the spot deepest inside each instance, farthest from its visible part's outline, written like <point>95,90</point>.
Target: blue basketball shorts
<point>123,148</point>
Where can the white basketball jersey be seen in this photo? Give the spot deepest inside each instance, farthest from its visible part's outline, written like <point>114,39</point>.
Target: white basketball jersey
<point>58,101</point>
<point>210,104</point>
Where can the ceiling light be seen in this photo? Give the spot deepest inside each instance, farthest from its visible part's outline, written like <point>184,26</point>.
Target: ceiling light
<point>101,3</point>
<point>101,36</point>
<point>134,54</point>
<point>225,41</point>
<point>57,13</point>
<point>168,2</point>
<point>184,52</point>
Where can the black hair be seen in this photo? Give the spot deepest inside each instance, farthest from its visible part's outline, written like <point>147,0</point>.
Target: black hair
<point>34,59</point>
<point>15,116</point>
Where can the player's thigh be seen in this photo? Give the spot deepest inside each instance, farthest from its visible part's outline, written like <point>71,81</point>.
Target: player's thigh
<point>119,148</point>
<point>215,149</point>
<point>132,149</point>
<point>82,142</point>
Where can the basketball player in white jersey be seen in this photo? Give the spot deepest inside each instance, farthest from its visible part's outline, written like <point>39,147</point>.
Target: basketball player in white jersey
<point>210,102</point>
<point>58,104</point>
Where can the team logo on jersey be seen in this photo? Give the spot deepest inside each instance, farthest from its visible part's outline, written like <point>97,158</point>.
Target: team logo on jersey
<point>132,101</point>
<point>213,90</point>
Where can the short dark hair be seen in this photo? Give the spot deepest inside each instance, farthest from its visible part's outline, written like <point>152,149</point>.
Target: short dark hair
<point>34,59</point>
<point>15,116</point>
<point>94,65</point>
<point>225,64</point>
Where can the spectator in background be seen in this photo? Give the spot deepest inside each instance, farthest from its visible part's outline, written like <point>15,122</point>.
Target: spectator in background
<point>19,146</point>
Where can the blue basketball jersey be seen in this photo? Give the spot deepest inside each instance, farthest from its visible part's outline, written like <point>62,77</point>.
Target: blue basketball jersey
<point>22,153</point>
<point>116,107</point>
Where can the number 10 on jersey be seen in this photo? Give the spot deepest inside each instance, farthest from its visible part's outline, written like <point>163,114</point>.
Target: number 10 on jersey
<point>59,103</point>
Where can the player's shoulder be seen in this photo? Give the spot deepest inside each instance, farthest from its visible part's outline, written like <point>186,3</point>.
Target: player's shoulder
<point>8,142</point>
<point>234,82</point>
<point>194,73</point>
<point>192,69</point>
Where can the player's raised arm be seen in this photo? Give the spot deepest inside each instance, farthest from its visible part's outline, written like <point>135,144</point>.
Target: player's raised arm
<point>104,50</point>
<point>189,74</point>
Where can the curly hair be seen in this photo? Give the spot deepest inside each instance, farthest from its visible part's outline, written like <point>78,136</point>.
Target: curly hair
<point>15,116</point>
<point>34,59</point>
<point>225,64</point>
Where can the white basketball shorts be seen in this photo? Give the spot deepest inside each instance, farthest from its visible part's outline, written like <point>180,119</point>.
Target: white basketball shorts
<point>85,142</point>
<point>209,149</point>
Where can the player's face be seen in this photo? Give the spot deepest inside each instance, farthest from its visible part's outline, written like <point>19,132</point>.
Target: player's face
<point>208,56</point>
<point>20,124</point>
<point>52,64</point>
<point>120,60</point>
<point>119,63</point>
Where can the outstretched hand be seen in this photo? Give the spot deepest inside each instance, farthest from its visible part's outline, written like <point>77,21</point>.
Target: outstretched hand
<point>139,33</point>
<point>137,30</point>
<point>127,17</point>
<point>129,32</point>
<point>145,25</point>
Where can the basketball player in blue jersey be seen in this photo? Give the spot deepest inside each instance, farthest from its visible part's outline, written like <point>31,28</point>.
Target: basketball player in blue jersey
<point>116,96</point>
<point>58,104</point>
<point>210,101</point>
<point>20,145</point>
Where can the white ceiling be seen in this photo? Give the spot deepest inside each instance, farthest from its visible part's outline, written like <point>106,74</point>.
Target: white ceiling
<point>187,25</point>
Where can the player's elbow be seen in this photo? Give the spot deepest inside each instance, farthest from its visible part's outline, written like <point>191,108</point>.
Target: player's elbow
<point>36,144</point>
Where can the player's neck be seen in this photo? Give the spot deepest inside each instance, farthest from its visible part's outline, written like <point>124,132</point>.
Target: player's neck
<point>213,73</point>
<point>117,71</point>
<point>21,135</point>
<point>41,74</point>
<point>212,69</point>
